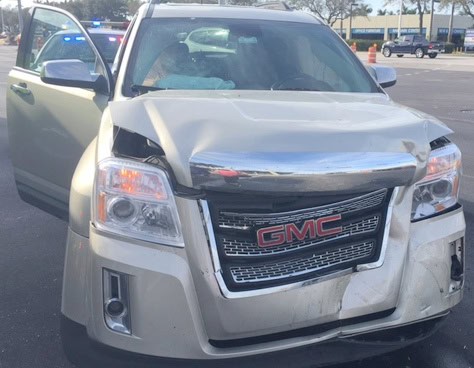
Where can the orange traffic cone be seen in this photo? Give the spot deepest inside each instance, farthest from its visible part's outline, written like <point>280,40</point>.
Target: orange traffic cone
<point>371,58</point>
<point>354,47</point>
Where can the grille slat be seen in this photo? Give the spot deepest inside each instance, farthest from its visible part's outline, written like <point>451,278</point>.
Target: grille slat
<point>245,265</point>
<point>295,267</point>
<point>244,221</point>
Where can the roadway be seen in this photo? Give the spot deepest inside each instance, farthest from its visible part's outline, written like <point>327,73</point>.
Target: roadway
<point>32,242</point>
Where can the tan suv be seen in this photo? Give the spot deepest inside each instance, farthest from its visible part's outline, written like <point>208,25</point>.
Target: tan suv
<point>260,201</point>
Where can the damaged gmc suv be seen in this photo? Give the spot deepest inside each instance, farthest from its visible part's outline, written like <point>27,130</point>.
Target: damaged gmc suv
<point>239,190</point>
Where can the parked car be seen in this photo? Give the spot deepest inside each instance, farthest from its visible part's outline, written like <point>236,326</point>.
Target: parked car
<point>410,44</point>
<point>65,44</point>
<point>209,40</point>
<point>270,204</point>
<point>107,41</point>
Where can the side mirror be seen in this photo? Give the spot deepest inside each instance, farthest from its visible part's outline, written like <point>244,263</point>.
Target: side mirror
<point>72,73</point>
<point>384,75</point>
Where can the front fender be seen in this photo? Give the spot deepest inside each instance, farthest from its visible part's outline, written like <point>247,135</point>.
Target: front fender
<point>81,191</point>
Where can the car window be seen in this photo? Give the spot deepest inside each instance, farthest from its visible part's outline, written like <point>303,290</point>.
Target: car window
<point>53,36</point>
<point>198,53</point>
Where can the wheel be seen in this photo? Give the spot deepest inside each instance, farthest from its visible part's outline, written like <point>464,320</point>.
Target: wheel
<point>399,55</point>
<point>301,82</point>
<point>419,53</point>
<point>432,56</point>
<point>386,52</point>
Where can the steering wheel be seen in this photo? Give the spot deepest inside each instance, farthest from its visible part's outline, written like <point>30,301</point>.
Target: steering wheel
<point>301,82</point>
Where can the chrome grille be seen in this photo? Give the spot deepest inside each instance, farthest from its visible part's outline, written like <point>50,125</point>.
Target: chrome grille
<point>300,266</point>
<point>237,219</point>
<point>235,247</point>
<point>245,221</point>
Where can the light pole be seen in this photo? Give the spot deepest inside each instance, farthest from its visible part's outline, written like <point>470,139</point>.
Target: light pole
<point>20,17</point>
<point>431,21</point>
<point>450,30</point>
<point>3,20</point>
<point>350,20</point>
<point>340,25</point>
<point>400,19</point>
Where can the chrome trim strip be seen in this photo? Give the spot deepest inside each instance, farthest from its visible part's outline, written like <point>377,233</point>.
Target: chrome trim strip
<point>301,171</point>
<point>210,236</point>
<point>388,222</point>
<point>251,293</point>
<point>306,211</point>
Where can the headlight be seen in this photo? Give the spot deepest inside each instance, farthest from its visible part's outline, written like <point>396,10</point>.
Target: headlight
<point>135,200</point>
<point>439,189</point>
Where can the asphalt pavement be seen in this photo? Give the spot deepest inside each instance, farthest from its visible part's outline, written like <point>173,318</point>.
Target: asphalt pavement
<point>32,242</point>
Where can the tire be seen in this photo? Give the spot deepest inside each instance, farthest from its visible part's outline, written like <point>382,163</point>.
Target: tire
<point>399,55</point>
<point>386,52</point>
<point>419,53</point>
<point>432,56</point>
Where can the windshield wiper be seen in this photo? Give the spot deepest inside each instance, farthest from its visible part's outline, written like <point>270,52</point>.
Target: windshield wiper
<point>296,89</point>
<point>140,90</point>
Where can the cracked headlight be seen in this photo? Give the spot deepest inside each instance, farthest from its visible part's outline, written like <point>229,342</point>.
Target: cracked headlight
<point>439,189</point>
<point>135,200</point>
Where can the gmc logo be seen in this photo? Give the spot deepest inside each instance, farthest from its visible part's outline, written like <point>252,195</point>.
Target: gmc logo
<point>281,234</point>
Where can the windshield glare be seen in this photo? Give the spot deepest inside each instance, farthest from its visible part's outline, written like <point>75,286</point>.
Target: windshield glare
<point>197,53</point>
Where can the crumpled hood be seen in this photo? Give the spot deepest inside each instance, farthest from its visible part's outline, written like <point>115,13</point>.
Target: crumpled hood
<point>192,125</point>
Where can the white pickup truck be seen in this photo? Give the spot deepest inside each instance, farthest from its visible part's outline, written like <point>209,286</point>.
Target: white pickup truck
<point>240,190</point>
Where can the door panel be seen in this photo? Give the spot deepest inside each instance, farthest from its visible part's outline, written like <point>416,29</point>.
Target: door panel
<point>50,126</point>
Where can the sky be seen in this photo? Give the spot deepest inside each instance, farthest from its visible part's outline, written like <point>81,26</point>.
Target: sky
<point>374,4</point>
<point>13,3</point>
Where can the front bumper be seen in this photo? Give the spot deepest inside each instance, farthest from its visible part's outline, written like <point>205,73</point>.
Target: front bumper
<point>84,352</point>
<point>175,316</point>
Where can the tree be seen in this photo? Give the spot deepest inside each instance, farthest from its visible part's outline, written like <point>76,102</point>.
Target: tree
<point>421,7</point>
<point>362,10</point>
<point>75,7</point>
<point>407,10</point>
<point>10,18</point>
<point>133,6</point>
<point>329,10</point>
<point>114,10</point>
<point>466,6</point>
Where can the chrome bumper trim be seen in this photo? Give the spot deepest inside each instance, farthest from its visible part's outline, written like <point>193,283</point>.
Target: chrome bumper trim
<point>292,172</point>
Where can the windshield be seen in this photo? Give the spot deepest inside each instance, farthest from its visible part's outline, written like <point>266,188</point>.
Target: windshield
<point>108,44</point>
<point>198,53</point>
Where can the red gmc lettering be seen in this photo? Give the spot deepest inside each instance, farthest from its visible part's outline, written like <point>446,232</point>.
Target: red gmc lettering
<point>320,223</point>
<point>292,229</point>
<point>277,236</point>
<point>281,234</point>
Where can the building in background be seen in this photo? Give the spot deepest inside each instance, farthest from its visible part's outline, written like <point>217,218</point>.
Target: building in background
<point>385,27</point>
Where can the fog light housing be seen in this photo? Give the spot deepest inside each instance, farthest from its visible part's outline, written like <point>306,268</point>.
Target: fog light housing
<point>116,301</point>
<point>115,308</point>
<point>457,265</point>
